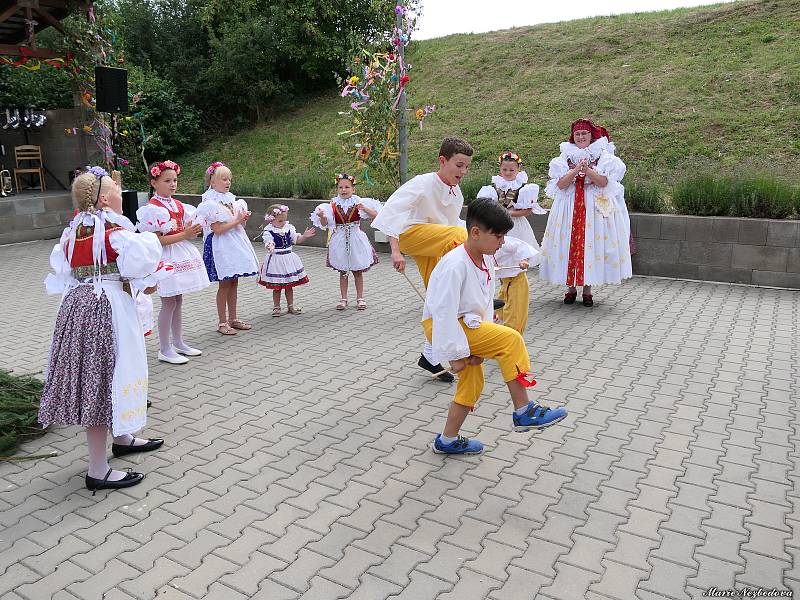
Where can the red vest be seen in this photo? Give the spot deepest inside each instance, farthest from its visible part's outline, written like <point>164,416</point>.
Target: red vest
<point>82,262</point>
<point>340,217</point>
<point>176,216</point>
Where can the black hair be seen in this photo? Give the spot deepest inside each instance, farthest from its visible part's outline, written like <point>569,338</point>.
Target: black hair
<point>489,215</point>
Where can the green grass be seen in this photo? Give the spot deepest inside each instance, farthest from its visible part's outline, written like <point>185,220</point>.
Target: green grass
<point>703,90</point>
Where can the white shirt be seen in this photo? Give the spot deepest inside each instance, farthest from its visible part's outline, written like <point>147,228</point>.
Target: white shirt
<point>511,253</point>
<point>458,288</point>
<point>423,199</point>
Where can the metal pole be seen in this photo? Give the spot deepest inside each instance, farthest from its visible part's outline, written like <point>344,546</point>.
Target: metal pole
<point>401,108</point>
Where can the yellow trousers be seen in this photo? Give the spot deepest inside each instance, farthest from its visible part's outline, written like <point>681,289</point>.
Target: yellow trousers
<point>515,292</point>
<point>426,243</point>
<point>489,340</point>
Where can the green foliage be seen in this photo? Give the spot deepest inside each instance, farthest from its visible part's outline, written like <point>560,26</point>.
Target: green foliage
<point>240,60</point>
<point>645,197</point>
<point>170,126</point>
<point>19,408</point>
<point>684,91</point>
<point>756,197</point>
<point>46,89</point>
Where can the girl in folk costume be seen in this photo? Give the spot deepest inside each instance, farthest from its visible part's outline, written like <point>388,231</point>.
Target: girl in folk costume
<point>511,263</point>
<point>518,197</point>
<point>227,250</point>
<point>172,222</point>
<point>97,372</point>
<point>586,240</point>
<point>349,248</point>
<point>282,268</point>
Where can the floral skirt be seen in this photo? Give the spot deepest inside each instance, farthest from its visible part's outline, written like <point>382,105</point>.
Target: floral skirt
<point>77,389</point>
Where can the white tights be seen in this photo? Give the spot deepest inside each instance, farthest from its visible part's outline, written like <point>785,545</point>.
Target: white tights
<point>97,440</point>
<point>170,321</point>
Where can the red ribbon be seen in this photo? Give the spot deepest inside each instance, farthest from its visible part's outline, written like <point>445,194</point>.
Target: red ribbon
<point>526,380</point>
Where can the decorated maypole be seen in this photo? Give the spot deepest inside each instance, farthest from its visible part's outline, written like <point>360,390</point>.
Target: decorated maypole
<point>376,89</point>
<point>401,105</point>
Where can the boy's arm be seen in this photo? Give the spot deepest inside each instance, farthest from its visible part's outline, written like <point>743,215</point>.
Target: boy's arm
<point>395,215</point>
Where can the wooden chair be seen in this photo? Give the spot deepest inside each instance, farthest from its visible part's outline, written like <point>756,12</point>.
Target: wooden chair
<point>29,154</point>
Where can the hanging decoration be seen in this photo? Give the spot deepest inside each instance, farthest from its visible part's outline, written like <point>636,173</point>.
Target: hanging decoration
<point>373,90</point>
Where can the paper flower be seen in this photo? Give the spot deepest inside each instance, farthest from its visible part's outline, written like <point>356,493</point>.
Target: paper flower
<point>97,171</point>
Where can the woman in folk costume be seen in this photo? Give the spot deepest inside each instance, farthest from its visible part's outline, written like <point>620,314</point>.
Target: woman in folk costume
<point>518,197</point>
<point>97,372</point>
<point>349,249</point>
<point>586,240</point>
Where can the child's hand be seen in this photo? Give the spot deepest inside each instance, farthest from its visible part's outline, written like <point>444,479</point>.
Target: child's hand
<point>192,231</point>
<point>458,365</point>
<point>243,216</point>
<point>474,360</point>
<point>320,212</point>
<point>524,264</point>
<point>310,232</point>
<point>270,247</point>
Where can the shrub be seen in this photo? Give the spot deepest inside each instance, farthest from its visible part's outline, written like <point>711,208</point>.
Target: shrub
<point>756,197</point>
<point>645,197</point>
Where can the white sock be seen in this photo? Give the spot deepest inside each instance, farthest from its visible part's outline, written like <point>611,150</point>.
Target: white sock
<point>447,440</point>
<point>521,411</point>
<point>427,352</point>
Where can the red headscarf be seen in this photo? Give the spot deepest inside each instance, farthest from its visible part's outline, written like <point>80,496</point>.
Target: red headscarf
<point>597,131</point>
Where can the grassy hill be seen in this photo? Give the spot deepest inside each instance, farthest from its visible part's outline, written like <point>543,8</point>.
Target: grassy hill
<point>704,90</point>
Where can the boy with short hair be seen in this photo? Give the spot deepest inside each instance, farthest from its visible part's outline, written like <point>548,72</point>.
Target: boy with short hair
<point>423,219</point>
<point>457,320</point>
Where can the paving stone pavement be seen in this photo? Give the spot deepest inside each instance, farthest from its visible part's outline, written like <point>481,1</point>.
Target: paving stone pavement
<point>297,460</point>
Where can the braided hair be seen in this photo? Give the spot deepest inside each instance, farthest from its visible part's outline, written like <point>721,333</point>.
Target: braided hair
<point>86,188</point>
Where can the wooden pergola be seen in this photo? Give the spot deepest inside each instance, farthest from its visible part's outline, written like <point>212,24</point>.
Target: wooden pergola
<point>21,20</point>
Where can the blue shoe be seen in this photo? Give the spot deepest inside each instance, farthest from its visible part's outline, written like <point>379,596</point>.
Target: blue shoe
<point>461,445</point>
<point>538,417</point>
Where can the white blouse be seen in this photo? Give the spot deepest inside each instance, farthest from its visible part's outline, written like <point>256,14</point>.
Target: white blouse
<point>345,205</point>
<point>139,253</point>
<point>528,196</point>
<point>511,253</point>
<point>458,288</point>
<point>423,199</point>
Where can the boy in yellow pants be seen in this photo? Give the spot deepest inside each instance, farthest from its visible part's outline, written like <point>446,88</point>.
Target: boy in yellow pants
<point>511,262</point>
<point>423,219</point>
<point>457,320</point>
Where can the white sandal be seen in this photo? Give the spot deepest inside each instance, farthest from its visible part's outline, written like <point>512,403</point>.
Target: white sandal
<point>342,304</point>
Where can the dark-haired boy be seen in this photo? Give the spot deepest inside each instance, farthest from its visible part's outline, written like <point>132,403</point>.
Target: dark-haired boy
<point>457,320</point>
<point>423,219</point>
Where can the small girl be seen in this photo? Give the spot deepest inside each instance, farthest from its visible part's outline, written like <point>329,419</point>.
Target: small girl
<point>97,372</point>
<point>348,248</point>
<point>172,222</point>
<point>227,250</point>
<point>520,198</point>
<point>282,268</point>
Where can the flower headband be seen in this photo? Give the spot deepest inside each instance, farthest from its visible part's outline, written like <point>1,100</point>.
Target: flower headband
<point>159,168</point>
<point>275,213</point>
<point>508,155</point>
<point>98,172</point>
<point>213,167</point>
<point>350,178</point>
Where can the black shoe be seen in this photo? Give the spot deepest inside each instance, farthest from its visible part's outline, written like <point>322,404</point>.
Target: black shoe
<point>149,404</point>
<point>131,478</point>
<point>121,449</point>
<point>569,297</point>
<point>587,300</point>
<point>498,304</point>
<point>425,364</point>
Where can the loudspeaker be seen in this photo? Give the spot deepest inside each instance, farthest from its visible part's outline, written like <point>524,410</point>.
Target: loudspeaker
<point>130,202</point>
<point>111,89</point>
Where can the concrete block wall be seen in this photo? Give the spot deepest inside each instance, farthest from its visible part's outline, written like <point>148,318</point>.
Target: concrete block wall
<point>34,216</point>
<point>735,250</point>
